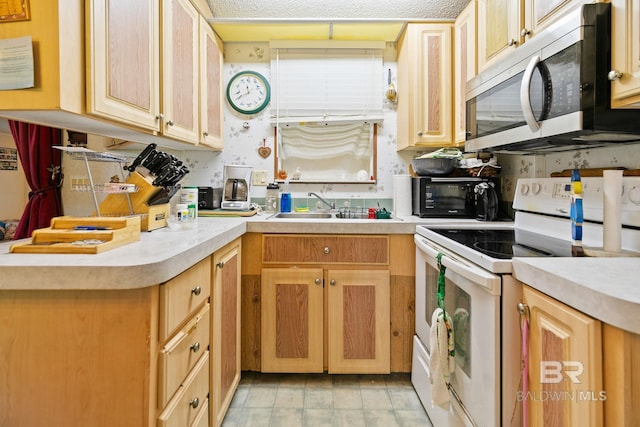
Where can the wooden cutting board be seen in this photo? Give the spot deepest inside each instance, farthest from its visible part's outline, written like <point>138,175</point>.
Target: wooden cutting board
<point>595,172</point>
<point>225,212</point>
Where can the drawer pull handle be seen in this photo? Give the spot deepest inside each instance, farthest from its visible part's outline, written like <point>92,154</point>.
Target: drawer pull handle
<point>332,282</point>
<point>327,250</point>
<point>196,291</point>
<point>220,264</point>
<point>194,402</point>
<point>195,347</point>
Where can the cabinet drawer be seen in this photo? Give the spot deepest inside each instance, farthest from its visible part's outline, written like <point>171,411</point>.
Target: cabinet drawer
<point>202,418</point>
<point>183,409</point>
<point>180,354</point>
<point>334,249</point>
<point>182,295</point>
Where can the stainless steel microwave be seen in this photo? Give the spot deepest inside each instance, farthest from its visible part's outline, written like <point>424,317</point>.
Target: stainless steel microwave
<point>552,93</point>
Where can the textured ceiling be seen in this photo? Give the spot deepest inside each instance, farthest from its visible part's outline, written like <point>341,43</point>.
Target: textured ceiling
<point>327,9</point>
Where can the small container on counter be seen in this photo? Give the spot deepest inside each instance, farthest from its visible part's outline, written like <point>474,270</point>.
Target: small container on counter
<point>285,202</point>
<point>271,199</point>
<point>189,196</point>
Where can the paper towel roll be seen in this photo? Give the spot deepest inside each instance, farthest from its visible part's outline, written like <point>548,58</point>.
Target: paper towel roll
<point>612,195</point>
<point>402,195</point>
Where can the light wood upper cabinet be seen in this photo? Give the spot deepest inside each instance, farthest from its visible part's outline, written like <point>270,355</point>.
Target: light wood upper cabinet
<point>225,371</point>
<point>625,53</point>
<point>425,92</point>
<point>180,53</point>
<point>465,48</point>
<point>123,65</point>
<point>504,25</point>
<point>565,359</point>
<point>211,91</point>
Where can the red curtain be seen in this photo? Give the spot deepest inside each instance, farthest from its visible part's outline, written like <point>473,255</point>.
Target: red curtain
<point>42,168</point>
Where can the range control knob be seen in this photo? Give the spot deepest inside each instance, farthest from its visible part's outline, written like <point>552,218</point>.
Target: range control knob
<point>536,187</point>
<point>524,190</point>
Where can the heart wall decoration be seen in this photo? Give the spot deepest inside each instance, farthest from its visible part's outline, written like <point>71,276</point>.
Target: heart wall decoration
<point>264,151</point>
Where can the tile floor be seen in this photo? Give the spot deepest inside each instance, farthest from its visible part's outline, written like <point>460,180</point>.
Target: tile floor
<point>310,400</point>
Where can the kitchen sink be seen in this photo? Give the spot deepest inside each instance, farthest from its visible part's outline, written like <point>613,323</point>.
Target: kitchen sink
<point>304,215</point>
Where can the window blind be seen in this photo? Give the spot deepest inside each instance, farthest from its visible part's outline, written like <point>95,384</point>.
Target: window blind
<point>327,83</point>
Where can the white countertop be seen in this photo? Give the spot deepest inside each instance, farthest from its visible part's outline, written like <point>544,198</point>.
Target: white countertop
<point>607,289</point>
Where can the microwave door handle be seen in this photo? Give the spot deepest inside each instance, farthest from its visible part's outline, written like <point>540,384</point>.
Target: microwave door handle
<point>525,98</point>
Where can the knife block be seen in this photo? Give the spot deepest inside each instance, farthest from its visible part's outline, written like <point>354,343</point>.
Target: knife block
<point>152,217</point>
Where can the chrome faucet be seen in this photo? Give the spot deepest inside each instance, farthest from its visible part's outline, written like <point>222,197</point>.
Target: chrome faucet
<point>331,205</point>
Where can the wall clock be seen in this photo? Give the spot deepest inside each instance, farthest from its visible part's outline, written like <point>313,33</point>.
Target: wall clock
<point>248,92</point>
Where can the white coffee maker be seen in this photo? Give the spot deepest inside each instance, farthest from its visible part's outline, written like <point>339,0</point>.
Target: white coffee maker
<point>236,187</point>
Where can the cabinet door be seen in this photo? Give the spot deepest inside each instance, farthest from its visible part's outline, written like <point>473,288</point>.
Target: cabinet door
<point>358,321</point>
<point>540,13</point>
<point>226,329</point>
<point>625,53</point>
<point>465,65</point>
<point>565,364</point>
<point>291,326</point>
<point>180,51</point>
<point>425,106</point>
<point>123,66</point>
<point>499,25</point>
<point>211,118</point>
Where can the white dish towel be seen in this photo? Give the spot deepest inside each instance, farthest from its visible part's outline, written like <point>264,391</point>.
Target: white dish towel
<point>441,365</point>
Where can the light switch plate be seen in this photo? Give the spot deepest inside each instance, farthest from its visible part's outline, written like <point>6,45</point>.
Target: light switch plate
<point>259,178</point>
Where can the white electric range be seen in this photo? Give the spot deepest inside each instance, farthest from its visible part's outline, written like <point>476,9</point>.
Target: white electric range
<point>478,296</point>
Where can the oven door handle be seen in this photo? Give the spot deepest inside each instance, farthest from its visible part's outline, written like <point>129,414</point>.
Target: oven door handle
<point>467,270</point>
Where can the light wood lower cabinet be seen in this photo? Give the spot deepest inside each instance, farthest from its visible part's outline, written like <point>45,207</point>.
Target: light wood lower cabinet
<point>291,264</point>
<point>330,314</point>
<point>565,364</point>
<point>225,372</point>
<point>350,313</point>
<point>163,355</point>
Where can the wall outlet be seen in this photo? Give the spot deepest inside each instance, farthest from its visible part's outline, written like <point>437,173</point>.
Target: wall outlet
<point>259,178</point>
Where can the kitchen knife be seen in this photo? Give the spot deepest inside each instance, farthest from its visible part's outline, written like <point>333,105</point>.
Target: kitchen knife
<point>164,195</point>
<point>138,160</point>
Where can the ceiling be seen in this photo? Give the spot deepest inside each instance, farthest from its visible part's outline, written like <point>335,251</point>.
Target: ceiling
<point>265,20</point>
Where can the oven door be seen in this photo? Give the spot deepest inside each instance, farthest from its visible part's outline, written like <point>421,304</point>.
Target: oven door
<point>472,299</point>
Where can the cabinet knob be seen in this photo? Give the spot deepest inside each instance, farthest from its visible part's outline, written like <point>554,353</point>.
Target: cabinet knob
<point>205,133</point>
<point>512,42</point>
<point>523,309</point>
<point>326,250</point>
<point>170,123</point>
<point>420,133</point>
<point>196,291</point>
<point>332,282</point>
<point>220,264</point>
<point>194,402</point>
<point>614,75</point>
<point>159,117</point>
<point>318,281</point>
<point>525,32</point>
<point>195,347</point>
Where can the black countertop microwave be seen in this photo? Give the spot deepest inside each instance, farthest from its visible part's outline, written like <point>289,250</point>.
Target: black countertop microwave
<point>454,198</point>
<point>552,93</point>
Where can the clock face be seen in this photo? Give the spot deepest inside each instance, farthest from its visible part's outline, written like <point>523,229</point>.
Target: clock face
<point>248,92</point>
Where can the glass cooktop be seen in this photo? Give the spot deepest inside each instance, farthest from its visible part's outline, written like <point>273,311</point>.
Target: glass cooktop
<point>505,244</point>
